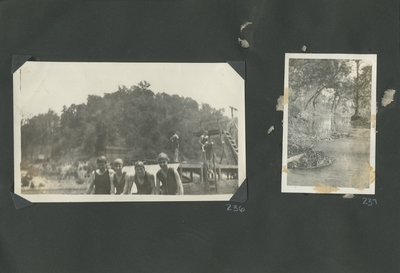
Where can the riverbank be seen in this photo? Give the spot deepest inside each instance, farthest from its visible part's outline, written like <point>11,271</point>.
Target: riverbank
<point>351,166</point>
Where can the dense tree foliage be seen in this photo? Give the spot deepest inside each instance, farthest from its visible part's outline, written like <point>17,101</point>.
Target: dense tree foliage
<point>328,89</point>
<point>330,86</point>
<point>134,118</point>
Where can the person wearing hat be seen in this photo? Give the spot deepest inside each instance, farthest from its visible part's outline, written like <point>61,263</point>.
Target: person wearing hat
<point>120,178</point>
<point>144,181</point>
<point>169,177</point>
<point>101,178</point>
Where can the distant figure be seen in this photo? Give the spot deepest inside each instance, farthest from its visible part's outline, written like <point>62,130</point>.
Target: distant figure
<point>208,152</point>
<point>175,140</point>
<point>208,149</point>
<point>120,178</point>
<point>203,140</point>
<point>169,177</point>
<point>101,178</point>
<point>144,181</point>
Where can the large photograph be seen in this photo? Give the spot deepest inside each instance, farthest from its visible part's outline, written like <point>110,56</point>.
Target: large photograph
<point>329,124</point>
<point>128,131</point>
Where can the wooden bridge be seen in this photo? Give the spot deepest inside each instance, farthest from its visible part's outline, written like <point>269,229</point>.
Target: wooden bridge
<point>199,168</point>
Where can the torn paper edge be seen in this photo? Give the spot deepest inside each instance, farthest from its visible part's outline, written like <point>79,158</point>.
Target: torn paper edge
<point>388,97</point>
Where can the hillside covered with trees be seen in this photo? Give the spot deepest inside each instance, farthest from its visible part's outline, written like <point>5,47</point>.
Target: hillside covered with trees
<point>135,118</point>
<point>329,99</point>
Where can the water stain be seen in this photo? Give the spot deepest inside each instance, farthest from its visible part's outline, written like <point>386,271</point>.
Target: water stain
<point>371,175</point>
<point>324,188</point>
<point>362,178</point>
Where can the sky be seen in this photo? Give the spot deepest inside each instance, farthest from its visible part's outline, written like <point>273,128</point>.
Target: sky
<point>50,85</point>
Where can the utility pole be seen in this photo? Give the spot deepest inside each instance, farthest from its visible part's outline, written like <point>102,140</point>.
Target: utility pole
<point>232,109</point>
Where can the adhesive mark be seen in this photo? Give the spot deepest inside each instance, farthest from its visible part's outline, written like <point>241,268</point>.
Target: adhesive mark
<point>371,175</point>
<point>286,94</point>
<point>279,105</point>
<point>363,177</point>
<point>304,48</point>
<point>388,97</point>
<point>323,188</point>
<point>348,196</point>
<point>243,43</point>
<point>284,169</point>
<point>373,121</point>
<point>271,129</point>
<point>245,25</point>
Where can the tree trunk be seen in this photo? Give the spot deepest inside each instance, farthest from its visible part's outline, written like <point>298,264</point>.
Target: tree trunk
<point>357,92</point>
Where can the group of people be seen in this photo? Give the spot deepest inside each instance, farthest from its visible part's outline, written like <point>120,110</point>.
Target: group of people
<point>114,181</point>
<point>166,182</point>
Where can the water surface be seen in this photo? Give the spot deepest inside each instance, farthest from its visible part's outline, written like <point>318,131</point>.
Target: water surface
<point>350,151</point>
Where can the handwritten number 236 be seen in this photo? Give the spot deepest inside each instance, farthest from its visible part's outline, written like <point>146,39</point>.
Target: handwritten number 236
<point>234,208</point>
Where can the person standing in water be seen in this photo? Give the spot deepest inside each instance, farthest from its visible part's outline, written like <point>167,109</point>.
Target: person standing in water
<point>101,178</point>
<point>143,180</point>
<point>119,179</point>
<point>169,178</point>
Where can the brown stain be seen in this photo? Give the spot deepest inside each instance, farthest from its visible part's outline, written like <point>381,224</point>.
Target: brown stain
<point>284,169</point>
<point>324,188</point>
<point>371,175</point>
<point>373,121</point>
<point>359,179</point>
<point>286,94</point>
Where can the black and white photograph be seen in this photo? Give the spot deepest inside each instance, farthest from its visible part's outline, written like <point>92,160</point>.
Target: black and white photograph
<point>329,124</point>
<point>93,132</point>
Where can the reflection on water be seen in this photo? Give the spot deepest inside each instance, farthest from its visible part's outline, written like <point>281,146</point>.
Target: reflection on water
<point>324,126</point>
<point>350,150</point>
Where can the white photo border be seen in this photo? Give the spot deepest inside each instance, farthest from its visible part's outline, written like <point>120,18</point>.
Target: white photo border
<point>285,188</point>
<point>68,198</point>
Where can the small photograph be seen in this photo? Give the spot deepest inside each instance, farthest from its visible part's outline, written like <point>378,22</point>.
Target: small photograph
<point>329,124</point>
<point>94,132</point>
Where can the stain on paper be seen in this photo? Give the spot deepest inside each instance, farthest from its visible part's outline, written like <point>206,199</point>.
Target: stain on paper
<point>284,169</point>
<point>245,25</point>
<point>348,196</point>
<point>279,105</point>
<point>243,43</point>
<point>363,177</point>
<point>286,94</point>
<point>271,129</point>
<point>373,121</point>
<point>371,175</point>
<point>388,97</point>
<point>324,188</point>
